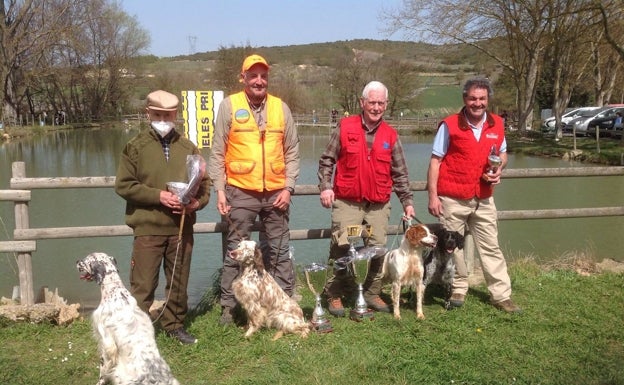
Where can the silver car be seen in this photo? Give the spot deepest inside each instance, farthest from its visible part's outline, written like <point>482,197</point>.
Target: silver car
<point>578,125</point>
<point>549,123</point>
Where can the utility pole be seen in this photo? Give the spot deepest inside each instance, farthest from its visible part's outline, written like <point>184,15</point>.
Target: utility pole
<point>192,40</point>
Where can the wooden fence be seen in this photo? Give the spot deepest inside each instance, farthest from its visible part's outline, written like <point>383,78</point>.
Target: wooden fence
<point>25,238</point>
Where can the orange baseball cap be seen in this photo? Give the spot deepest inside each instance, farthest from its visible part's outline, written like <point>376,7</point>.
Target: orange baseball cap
<point>252,60</point>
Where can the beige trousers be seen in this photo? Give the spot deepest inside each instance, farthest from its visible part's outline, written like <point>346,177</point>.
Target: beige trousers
<point>479,216</point>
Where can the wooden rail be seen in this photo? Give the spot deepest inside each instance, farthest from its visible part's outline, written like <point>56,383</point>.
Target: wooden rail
<point>25,237</point>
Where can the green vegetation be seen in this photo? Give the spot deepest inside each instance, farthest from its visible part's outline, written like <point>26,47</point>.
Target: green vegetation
<point>569,333</point>
<point>611,150</point>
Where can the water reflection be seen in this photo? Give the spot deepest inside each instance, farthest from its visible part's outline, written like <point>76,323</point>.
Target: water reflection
<point>96,153</point>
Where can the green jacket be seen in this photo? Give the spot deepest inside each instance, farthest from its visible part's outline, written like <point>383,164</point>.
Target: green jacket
<point>143,172</point>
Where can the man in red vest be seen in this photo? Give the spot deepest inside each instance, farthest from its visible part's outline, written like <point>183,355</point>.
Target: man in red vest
<point>467,161</point>
<point>365,157</point>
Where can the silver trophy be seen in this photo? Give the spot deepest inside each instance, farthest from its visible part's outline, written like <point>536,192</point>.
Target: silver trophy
<point>358,266</point>
<point>316,276</point>
<point>494,161</point>
<point>178,188</point>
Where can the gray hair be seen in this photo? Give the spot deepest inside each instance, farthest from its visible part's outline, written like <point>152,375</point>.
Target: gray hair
<point>374,86</point>
<point>483,83</point>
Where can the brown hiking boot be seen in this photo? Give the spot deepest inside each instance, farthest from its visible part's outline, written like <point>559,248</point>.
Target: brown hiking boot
<point>456,300</point>
<point>507,306</point>
<point>377,304</point>
<point>335,307</point>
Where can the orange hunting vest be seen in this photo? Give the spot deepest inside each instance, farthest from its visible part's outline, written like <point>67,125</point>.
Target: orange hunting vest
<point>254,160</point>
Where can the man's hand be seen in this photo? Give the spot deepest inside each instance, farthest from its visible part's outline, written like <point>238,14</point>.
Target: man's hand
<point>283,200</point>
<point>327,198</point>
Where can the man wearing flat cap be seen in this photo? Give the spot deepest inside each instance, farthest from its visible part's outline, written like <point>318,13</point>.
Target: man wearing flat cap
<point>155,156</point>
<point>254,163</point>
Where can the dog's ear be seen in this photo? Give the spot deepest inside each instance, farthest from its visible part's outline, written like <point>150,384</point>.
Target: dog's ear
<point>459,239</point>
<point>415,233</point>
<point>258,261</point>
<point>98,270</point>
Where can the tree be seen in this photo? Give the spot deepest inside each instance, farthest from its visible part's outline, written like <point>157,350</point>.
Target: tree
<point>29,28</point>
<point>611,16</point>
<point>566,67</point>
<point>352,71</point>
<point>66,54</point>
<point>399,76</point>
<point>226,76</point>
<point>513,34</point>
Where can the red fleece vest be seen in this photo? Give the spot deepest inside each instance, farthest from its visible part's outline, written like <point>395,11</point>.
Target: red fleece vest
<point>466,158</point>
<point>363,175</point>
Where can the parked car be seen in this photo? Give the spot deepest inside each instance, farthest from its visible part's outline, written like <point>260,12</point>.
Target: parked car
<point>548,124</point>
<point>605,124</point>
<point>579,125</point>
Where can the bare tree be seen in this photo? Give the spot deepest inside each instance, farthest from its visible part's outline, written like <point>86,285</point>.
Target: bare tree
<point>226,76</point>
<point>514,34</point>
<point>104,42</point>
<point>352,72</point>
<point>572,34</point>
<point>29,28</point>
<point>612,19</point>
<point>400,78</point>
<point>66,54</point>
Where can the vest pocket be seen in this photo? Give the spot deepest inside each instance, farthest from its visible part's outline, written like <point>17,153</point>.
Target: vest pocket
<point>382,172</point>
<point>278,167</point>
<point>241,166</point>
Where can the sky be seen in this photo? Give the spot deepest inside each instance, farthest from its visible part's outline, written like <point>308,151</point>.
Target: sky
<point>190,26</point>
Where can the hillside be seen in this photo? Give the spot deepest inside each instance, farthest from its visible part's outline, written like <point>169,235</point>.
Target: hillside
<point>439,70</point>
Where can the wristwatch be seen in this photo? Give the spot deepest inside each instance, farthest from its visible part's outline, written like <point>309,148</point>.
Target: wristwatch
<point>290,190</point>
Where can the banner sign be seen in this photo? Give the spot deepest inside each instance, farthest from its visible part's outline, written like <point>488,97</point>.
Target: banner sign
<point>200,114</point>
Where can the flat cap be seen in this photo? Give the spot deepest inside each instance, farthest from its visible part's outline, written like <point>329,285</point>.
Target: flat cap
<point>162,101</point>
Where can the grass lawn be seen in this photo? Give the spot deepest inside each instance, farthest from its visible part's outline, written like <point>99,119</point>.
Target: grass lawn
<point>570,332</point>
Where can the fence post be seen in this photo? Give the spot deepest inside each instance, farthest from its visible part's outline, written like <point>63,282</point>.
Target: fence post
<point>24,260</point>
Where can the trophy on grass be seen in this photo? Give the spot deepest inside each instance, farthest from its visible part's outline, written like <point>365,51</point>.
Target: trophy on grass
<point>359,261</point>
<point>494,161</point>
<point>315,276</point>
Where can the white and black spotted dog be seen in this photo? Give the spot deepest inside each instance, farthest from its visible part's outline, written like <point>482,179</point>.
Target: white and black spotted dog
<point>439,262</point>
<point>266,303</point>
<point>128,350</point>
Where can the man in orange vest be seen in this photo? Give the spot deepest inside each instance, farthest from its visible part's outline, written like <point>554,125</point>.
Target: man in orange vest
<point>253,164</point>
<point>366,160</point>
<point>467,161</point>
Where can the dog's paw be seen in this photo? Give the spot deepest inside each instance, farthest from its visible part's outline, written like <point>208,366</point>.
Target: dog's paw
<point>420,316</point>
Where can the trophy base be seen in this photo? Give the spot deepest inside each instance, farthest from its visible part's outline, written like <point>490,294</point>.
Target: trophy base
<point>361,315</point>
<point>322,326</point>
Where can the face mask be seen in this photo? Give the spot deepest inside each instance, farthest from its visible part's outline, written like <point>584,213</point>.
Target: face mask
<point>162,128</point>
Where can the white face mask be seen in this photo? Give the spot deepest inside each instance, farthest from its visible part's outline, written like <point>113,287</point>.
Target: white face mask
<point>163,128</point>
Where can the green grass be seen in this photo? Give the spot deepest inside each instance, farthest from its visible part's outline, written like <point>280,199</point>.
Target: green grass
<point>611,150</point>
<point>569,333</point>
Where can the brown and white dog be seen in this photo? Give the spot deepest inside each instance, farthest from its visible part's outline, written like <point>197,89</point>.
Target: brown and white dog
<point>404,266</point>
<point>263,299</point>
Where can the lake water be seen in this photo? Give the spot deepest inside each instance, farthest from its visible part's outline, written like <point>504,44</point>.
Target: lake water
<point>96,152</point>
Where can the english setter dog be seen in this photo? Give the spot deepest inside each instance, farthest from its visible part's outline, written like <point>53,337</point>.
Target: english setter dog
<point>440,261</point>
<point>263,299</point>
<point>125,334</point>
<point>404,266</point>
